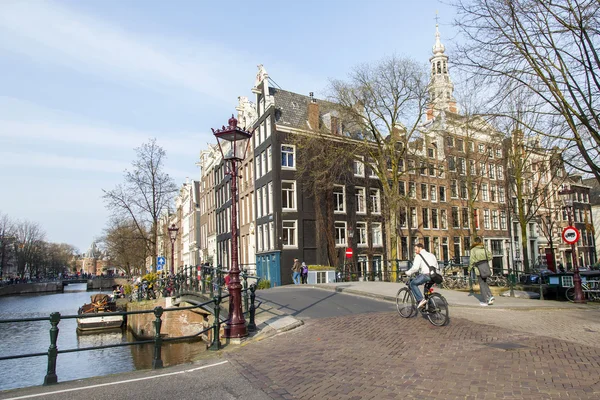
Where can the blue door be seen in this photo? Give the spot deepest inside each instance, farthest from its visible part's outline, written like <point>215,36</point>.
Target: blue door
<point>267,267</point>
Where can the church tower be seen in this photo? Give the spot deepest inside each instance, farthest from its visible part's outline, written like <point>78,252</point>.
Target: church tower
<point>441,88</point>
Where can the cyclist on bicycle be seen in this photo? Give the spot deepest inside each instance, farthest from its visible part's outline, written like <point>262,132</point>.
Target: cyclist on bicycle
<point>423,260</point>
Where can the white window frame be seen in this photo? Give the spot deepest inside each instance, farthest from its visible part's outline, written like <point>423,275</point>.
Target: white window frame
<point>292,226</point>
<point>375,197</point>
<point>290,195</point>
<point>340,234</point>
<point>269,158</point>
<point>433,193</point>
<point>359,167</point>
<point>288,153</point>
<point>362,239</point>
<point>486,219</point>
<point>361,201</point>
<point>376,234</point>
<point>337,207</point>
<point>485,195</point>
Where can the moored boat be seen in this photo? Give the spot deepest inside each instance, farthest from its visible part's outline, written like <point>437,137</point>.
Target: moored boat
<point>98,315</point>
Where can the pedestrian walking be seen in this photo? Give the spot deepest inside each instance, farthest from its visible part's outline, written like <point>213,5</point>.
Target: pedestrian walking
<point>304,275</point>
<point>480,260</point>
<point>296,271</point>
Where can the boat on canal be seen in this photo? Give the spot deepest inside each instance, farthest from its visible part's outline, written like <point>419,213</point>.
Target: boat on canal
<point>102,307</point>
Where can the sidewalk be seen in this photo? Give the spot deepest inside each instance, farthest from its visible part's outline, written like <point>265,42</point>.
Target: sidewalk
<point>387,291</point>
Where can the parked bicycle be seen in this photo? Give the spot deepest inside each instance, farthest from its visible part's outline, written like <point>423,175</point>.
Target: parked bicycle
<point>497,280</point>
<point>591,291</point>
<point>435,309</point>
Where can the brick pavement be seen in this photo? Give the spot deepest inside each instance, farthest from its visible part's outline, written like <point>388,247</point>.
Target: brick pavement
<point>381,356</point>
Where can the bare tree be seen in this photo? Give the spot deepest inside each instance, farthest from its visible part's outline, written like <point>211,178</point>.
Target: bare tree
<point>146,193</point>
<point>7,240</point>
<point>381,105</point>
<point>125,247</point>
<point>551,49</point>
<point>28,246</point>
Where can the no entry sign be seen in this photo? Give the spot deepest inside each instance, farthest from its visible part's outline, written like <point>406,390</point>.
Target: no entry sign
<point>349,252</point>
<point>571,235</point>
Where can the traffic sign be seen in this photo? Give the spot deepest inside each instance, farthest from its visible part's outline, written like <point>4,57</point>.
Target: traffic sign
<point>571,235</point>
<point>349,252</point>
<point>160,263</point>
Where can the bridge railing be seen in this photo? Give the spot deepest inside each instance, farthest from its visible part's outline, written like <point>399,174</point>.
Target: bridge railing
<point>158,340</point>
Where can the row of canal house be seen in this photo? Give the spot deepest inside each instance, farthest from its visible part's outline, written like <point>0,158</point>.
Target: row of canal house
<point>455,184</point>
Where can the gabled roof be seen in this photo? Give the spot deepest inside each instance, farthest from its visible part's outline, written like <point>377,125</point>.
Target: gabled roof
<point>292,108</point>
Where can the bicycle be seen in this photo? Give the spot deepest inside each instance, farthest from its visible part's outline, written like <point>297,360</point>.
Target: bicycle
<point>436,307</point>
<point>590,289</point>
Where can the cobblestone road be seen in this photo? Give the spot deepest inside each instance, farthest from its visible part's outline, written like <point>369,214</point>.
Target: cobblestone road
<point>381,356</point>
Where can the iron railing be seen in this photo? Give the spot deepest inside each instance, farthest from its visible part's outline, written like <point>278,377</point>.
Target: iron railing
<point>185,285</point>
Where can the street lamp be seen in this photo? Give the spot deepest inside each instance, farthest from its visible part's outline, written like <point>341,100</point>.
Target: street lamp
<point>568,205</point>
<point>233,144</point>
<point>173,236</point>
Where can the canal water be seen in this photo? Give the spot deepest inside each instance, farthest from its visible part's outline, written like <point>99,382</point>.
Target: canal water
<point>34,337</point>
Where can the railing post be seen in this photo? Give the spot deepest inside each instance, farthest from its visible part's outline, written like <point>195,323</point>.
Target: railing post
<point>251,323</point>
<point>203,278</point>
<point>51,377</point>
<point>245,288</point>
<point>216,343</point>
<point>157,361</point>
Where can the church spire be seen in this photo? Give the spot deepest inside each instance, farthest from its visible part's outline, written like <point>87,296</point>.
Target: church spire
<point>441,88</point>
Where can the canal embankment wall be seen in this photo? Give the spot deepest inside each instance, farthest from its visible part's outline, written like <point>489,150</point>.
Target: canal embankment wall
<point>31,288</point>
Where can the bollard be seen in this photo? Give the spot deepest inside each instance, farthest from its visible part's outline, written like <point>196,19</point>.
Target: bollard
<point>245,288</point>
<point>157,361</point>
<point>51,377</point>
<point>251,323</point>
<point>216,343</point>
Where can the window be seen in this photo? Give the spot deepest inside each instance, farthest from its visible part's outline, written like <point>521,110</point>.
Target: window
<point>430,152</point>
<point>465,217</point>
<point>453,189</point>
<point>451,163</point>
<point>402,188</point>
<point>503,225</point>
<point>482,169</point>
<point>340,234</point>
<point>402,217</point>
<point>455,220</point>
<point>434,219</point>
<point>433,193</point>
<point>288,153</point>
<point>413,217</point>
<point>359,168</point>
<point>423,168</point>
<point>486,219</point>
<point>460,144</point>
<point>495,219</point>
<point>462,166</point>
<point>492,171</point>
<point>259,201</point>
<point>450,141</point>
<point>440,171</point>
<point>360,200</point>
<point>339,198</point>
<point>412,190</point>
<point>493,193</point>
<point>501,196</point>
<point>443,219</point>
<point>481,148</point>
<point>288,195</point>
<point>411,166</point>
<point>498,153</point>
<point>376,233</point>
<point>431,170</point>
<point>259,166</point>
<point>424,191</point>
<point>425,216</point>
<point>500,171</point>
<point>361,234</point>
<point>375,201</point>
<point>269,158</point>
<point>471,146</point>
<point>463,190</point>
<point>472,169</point>
<point>484,192</point>
<point>289,234</point>
<point>442,193</point>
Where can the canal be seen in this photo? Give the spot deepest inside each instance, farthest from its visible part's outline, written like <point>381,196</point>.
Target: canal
<point>34,337</point>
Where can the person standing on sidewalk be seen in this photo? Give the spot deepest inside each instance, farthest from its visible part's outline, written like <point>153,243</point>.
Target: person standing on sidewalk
<point>304,273</point>
<point>479,253</point>
<point>423,259</point>
<point>296,271</point>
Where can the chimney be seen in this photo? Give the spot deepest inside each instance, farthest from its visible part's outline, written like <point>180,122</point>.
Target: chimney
<point>313,113</point>
<point>335,125</point>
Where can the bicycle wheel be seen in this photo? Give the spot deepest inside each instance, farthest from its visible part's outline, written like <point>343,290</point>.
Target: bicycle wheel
<point>437,310</point>
<point>570,294</point>
<point>405,303</point>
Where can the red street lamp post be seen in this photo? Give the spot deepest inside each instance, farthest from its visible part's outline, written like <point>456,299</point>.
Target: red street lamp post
<point>173,236</point>
<point>233,145</point>
<point>568,204</point>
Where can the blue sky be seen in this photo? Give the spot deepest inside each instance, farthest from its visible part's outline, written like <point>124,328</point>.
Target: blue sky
<point>82,83</point>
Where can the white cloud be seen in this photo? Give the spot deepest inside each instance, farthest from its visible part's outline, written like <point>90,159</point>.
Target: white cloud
<point>53,33</point>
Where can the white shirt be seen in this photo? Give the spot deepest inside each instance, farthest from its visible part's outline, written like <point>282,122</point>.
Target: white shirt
<point>420,266</point>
